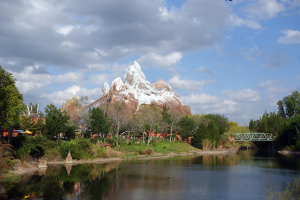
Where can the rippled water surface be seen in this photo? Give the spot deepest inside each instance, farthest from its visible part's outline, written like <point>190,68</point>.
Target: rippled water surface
<point>247,175</point>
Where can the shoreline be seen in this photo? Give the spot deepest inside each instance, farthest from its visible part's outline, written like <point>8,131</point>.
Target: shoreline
<point>289,152</point>
<point>26,170</point>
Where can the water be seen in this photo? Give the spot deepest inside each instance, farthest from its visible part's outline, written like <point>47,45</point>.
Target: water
<point>246,175</point>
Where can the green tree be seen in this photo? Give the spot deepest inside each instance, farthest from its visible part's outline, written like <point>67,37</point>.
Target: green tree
<point>10,103</point>
<point>251,125</point>
<point>220,121</point>
<point>99,123</point>
<point>200,134</point>
<point>289,106</point>
<point>187,126</point>
<point>40,126</point>
<point>214,134</point>
<point>28,124</point>
<point>56,122</point>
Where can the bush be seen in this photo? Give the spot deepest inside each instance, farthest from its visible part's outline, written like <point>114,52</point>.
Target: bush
<point>101,153</point>
<point>74,149</point>
<point>141,151</point>
<point>111,141</point>
<point>149,151</point>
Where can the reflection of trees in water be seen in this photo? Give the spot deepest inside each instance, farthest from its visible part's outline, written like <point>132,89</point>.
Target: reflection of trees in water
<point>57,184</point>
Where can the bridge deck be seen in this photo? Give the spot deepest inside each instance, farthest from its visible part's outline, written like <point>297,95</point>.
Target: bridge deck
<point>253,137</point>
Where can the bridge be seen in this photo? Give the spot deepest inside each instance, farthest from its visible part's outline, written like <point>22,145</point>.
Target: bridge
<point>253,137</point>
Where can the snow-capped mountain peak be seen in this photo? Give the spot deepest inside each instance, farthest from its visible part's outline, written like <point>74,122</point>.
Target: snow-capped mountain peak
<point>135,90</point>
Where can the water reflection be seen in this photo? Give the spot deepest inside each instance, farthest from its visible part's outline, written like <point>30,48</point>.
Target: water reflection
<point>180,177</point>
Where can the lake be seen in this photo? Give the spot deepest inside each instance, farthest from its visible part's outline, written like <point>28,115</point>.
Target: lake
<point>250,174</point>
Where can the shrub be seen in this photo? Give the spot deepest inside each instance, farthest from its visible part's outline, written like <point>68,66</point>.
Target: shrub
<point>74,149</point>
<point>141,151</point>
<point>149,151</point>
<point>101,153</point>
<point>111,141</point>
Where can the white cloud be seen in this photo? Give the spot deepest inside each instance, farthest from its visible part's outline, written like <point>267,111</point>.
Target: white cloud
<point>28,81</point>
<point>242,95</point>
<point>205,103</point>
<point>98,66</point>
<point>59,97</point>
<point>263,9</point>
<point>290,36</point>
<point>202,98</point>
<point>154,60</point>
<point>237,21</point>
<point>70,77</point>
<point>65,30</point>
<point>205,70</point>
<point>269,83</point>
<point>99,79</point>
<point>178,83</point>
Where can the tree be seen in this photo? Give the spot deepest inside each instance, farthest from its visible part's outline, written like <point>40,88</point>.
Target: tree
<point>99,123</point>
<point>151,117</point>
<point>289,106</point>
<point>40,126</point>
<point>251,125</point>
<point>118,116</point>
<point>28,124</point>
<point>220,121</point>
<point>10,103</point>
<point>187,126</point>
<point>171,118</point>
<point>200,134</point>
<point>56,122</point>
<point>213,131</point>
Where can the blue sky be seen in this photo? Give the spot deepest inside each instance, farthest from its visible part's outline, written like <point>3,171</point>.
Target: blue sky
<point>236,58</point>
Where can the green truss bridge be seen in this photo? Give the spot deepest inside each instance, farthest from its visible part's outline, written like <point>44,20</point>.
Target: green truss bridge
<point>253,137</point>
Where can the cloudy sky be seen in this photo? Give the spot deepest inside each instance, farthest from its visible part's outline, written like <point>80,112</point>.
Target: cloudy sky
<point>236,58</point>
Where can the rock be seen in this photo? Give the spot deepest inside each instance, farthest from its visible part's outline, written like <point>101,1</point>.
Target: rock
<point>134,90</point>
<point>42,164</point>
<point>69,159</point>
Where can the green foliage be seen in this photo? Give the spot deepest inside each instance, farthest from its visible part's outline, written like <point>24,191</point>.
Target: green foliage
<point>214,134</point>
<point>28,124</point>
<point>149,151</point>
<point>79,148</point>
<point>56,122</point>
<point>291,134</point>
<point>269,123</point>
<point>220,121</point>
<point>99,123</point>
<point>200,134</point>
<point>187,126</point>
<point>34,146</point>
<point>40,126</point>
<point>101,153</point>
<point>111,141</point>
<point>289,106</point>
<point>10,101</point>
<point>70,133</point>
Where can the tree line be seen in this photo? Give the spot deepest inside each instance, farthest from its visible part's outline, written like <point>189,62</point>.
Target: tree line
<point>285,124</point>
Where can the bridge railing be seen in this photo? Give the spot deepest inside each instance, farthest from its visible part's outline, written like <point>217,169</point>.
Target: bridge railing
<point>253,137</point>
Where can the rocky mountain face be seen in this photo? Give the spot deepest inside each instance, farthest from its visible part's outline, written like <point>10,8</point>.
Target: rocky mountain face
<point>134,90</point>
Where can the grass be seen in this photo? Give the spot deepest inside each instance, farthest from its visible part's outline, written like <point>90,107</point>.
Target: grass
<point>162,147</point>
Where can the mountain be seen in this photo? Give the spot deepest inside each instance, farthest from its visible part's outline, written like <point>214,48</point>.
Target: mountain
<point>133,90</point>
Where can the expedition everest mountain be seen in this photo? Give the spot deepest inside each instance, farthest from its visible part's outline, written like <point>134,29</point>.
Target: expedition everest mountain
<point>134,90</point>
